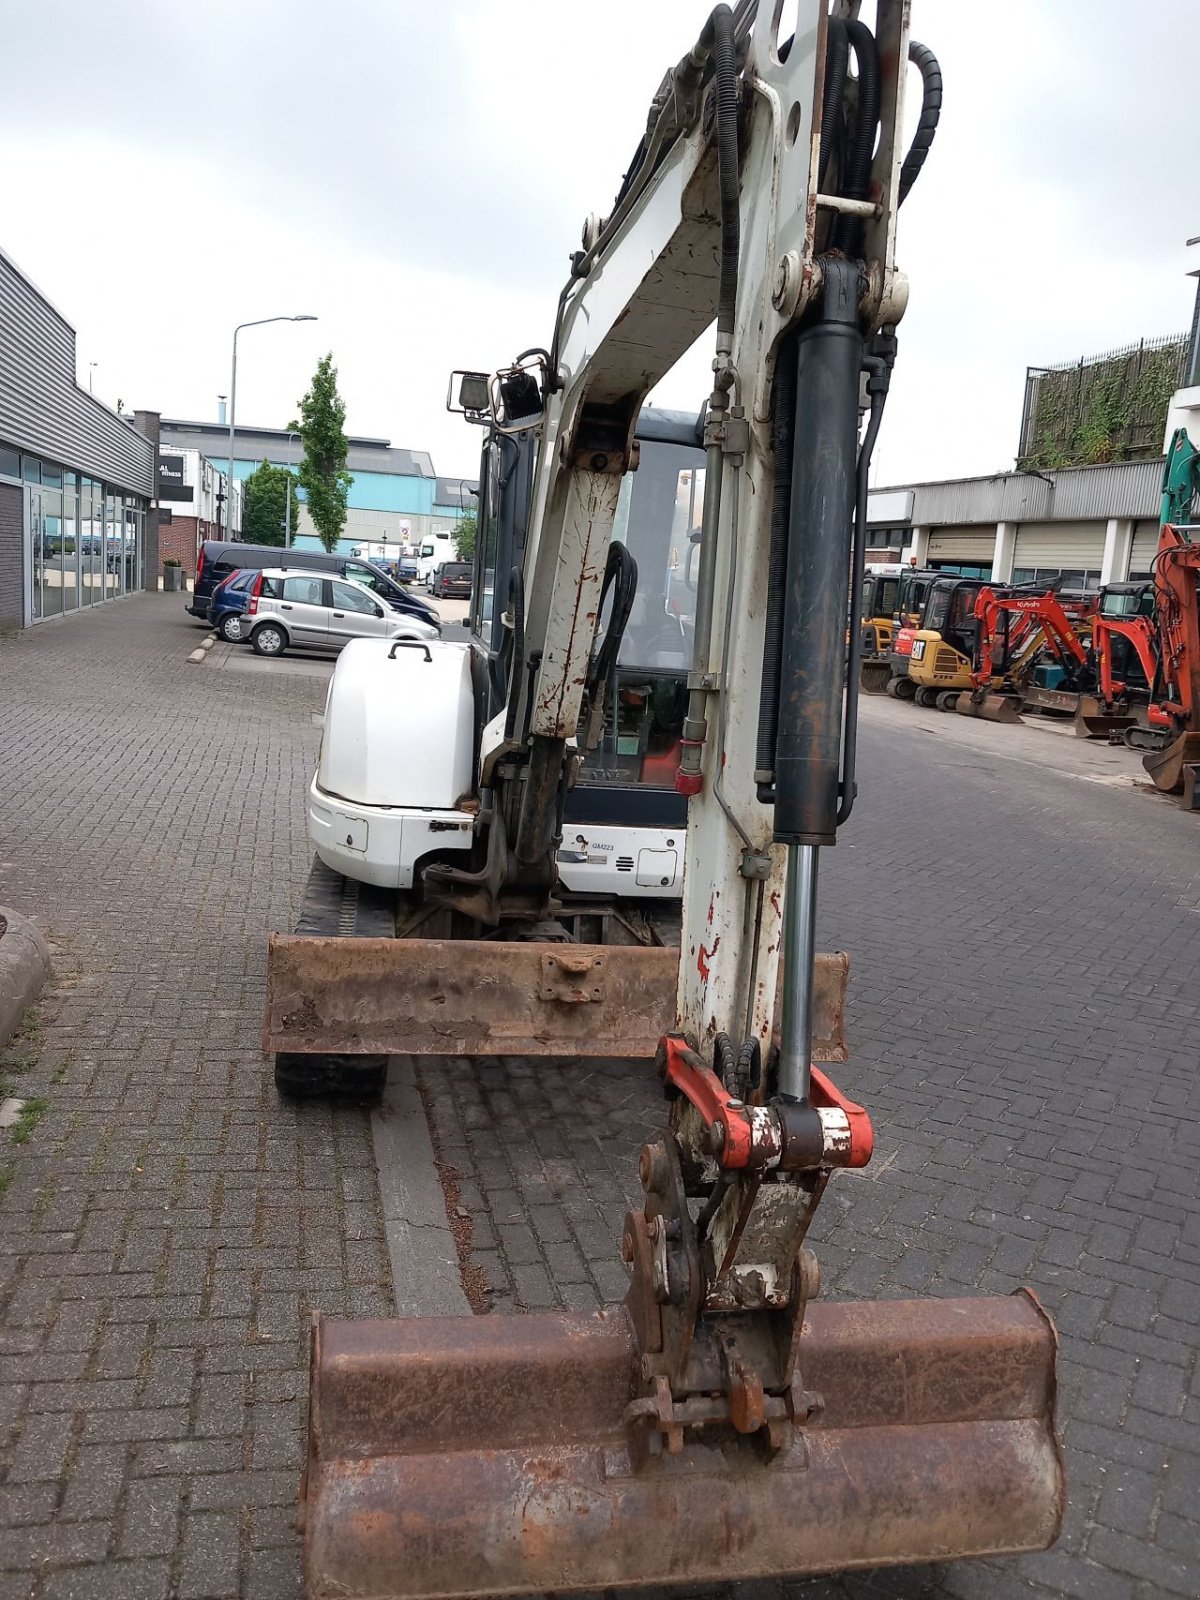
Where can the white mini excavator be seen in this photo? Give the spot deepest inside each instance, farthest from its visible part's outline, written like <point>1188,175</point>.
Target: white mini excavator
<point>723,1423</point>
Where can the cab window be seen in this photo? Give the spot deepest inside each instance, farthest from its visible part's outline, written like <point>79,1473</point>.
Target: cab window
<point>489,541</point>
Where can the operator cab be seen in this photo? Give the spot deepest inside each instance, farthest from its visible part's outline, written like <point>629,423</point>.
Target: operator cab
<point>1118,600</point>
<point>629,778</point>
<point>950,610</point>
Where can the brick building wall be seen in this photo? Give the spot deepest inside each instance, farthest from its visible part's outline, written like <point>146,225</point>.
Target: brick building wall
<point>12,556</point>
<point>182,538</point>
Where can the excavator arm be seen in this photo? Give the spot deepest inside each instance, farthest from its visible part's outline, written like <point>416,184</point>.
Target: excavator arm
<point>718,1425</point>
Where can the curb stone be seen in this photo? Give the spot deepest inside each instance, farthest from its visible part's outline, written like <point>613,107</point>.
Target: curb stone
<point>24,968</point>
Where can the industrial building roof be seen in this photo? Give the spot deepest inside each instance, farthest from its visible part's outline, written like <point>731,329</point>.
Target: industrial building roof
<point>366,454</point>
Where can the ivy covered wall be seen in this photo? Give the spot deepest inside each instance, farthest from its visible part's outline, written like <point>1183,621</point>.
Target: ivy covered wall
<point>1104,408</point>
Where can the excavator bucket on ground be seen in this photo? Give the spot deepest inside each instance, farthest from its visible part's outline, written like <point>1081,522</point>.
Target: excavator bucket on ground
<point>873,677</point>
<point>1166,766</point>
<point>990,707</point>
<point>505,1455</point>
<point>1093,722</point>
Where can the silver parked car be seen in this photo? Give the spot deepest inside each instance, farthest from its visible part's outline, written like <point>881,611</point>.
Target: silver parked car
<point>313,611</point>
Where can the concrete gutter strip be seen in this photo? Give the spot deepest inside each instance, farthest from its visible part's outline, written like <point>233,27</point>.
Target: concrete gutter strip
<point>24,968</point>
<point>425,1275</point>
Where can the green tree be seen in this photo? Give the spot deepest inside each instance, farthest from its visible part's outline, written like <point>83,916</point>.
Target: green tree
<point>464,537</point>
<point>323,475</point>
<point>264,508</point>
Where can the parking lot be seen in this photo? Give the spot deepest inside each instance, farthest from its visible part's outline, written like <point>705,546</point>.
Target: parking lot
<point>1024,1006</point>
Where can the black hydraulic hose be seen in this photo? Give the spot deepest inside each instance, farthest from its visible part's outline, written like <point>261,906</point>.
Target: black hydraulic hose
<point>620,575</point>
<point>516,599</point>
<point>783,411</point>
<point>719,33</point>
<point>923,58</point>
<point>837,61</point>
<point>858,564</point>
<point>860,151</point>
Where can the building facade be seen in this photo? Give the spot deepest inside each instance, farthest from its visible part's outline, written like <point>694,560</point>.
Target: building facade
<point>77,527</point>
<point>395,500</point>
<point>191,498</point>
<point>1086,525</point>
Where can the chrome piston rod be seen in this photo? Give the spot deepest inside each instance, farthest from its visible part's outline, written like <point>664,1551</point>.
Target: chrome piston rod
<point>799,958</point>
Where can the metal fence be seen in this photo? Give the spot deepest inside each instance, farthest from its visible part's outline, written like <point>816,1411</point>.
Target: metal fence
<point>1110,407</point>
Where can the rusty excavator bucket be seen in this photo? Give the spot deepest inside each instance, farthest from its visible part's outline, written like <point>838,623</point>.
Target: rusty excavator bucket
<point>873,676</point>
<point>1092,721</point>
<point>990,707</point>
<point>716,1426</point>
<point>503,1455</point>
<point>1166,766</point>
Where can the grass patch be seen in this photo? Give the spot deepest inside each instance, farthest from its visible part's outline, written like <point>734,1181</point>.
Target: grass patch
<point>27,1119</point>
<point>6,1177</point>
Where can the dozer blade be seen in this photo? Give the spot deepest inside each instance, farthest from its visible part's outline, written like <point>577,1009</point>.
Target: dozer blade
<point>873,677</point>
<point>482,997</point>
<point>991,708</point>
<point>488,1456</point>
<point>1166,766</point>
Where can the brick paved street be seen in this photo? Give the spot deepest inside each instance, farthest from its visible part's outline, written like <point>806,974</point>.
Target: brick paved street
<point>169,1224</point>
<point>1023,1023</point>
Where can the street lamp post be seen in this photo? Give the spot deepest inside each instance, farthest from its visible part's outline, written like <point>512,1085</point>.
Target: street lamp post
<point>257,323</point>
<point>287,503</point>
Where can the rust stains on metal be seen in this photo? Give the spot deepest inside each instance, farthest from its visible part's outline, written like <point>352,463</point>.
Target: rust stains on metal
<point>704,956</point>
<point>465,997</point>
<point>492,1456</point>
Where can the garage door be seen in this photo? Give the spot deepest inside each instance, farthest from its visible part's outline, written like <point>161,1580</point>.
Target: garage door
<point>962,544</point>
<point>1067,546</point>
<point>1144,549</point>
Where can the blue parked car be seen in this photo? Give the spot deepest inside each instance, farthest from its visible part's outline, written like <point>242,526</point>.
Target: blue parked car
<point>229,602</point>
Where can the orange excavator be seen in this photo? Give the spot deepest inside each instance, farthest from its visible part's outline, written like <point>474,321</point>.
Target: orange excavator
<point>1014,630</point>
<point>721,1424</point>
<point>1146,641</point>
<point>1173,712</point>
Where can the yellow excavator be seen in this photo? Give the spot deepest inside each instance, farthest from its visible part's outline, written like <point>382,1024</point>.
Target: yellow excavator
<point>722,1423</point>
<point>893,598</point>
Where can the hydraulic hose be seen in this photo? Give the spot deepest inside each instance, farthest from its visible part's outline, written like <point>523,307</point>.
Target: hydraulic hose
<point>880,368</point>
<point>783,410</point>
<point>860,150</point>
<point>837,60</point>
<point>620,575</point>
<point>718,34</point>
<point>923,58</point>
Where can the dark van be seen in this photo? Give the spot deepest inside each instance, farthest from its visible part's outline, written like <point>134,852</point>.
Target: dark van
<point>217,559</point>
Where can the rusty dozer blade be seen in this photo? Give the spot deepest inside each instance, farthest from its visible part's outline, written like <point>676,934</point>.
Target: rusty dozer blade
<point>1166,766</point>
<point>873,676</point>
<point>990,707</point>
<point>473,997</point>
<point>493,1455</point>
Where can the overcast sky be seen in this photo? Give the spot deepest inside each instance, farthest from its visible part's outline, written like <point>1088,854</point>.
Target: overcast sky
<point>416,177</point>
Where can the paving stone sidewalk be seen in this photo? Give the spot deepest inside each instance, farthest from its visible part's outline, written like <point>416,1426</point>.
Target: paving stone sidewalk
<point>168,1225</point>
<point>1024,1021</point>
